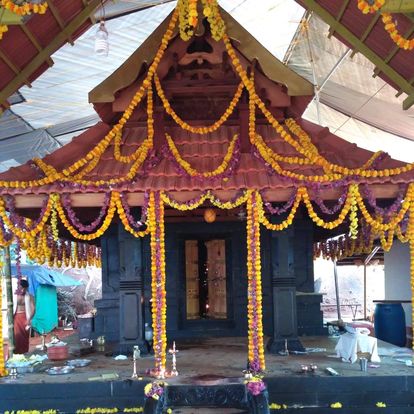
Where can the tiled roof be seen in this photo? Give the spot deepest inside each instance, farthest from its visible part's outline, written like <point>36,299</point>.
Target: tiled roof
<point>204,153</point>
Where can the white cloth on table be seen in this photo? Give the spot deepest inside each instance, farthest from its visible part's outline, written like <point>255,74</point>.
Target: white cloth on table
<point>349,344</point>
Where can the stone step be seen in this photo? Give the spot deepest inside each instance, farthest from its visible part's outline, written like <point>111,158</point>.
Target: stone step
<point>201,410</point>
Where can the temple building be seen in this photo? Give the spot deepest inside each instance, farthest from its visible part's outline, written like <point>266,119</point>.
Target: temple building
<point>207,193</point>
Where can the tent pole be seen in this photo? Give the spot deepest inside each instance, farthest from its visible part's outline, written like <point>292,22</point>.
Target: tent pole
<point>9,295</point>
<point>338,306</point>
<point>365,291</point>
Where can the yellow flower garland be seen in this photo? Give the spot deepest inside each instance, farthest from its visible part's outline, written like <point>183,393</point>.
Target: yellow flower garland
<point>3,29</point>
<point>87,237</point>
<point>288,221</point>
<point>193,172</point>
<point>208,195</point>
<point>124,218</point>
<point>349,202</point>
<point>3,371</point>
<point>23,234</point>
<point>370,7</point>
<point>391,27</point>
<point>159,313</point>
<point>197,130</point>
<point>26,8</point>
<point>410,235</point>
<point>377,224</point>
<point>254,289</point>
<point>147,144</point>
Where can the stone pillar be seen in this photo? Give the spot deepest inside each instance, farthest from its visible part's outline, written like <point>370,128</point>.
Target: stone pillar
<point>107,316</point>
<point>130,292</point>
<point>285,326</point>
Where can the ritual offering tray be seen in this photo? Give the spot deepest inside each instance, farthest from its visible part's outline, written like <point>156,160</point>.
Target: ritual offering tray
<point>79,363</point>
<point>60,370</point>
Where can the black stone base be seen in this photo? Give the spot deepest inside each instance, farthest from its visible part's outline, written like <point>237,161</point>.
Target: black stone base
<point>127,349</point>
<point>308,394</point>
<point>276,346</point>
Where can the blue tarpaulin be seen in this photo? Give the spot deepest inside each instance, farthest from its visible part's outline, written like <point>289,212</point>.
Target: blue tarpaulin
<point>40,275</point>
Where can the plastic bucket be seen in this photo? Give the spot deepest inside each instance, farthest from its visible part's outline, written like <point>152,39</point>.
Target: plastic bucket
<point>389,323</point>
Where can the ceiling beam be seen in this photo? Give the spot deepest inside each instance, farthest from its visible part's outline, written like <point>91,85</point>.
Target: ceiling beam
<point>59,20</point>
<point>386,191</point>
<point>45,53</point>
<point>359,46</point>
<point>9,18</point>
<point>398,6</point>
<point>34,41</point>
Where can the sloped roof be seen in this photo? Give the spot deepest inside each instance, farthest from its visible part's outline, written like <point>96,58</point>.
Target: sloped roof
<point>204,153</point>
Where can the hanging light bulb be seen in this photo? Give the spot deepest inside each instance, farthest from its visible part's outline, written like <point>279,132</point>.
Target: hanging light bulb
<point>101,40</point>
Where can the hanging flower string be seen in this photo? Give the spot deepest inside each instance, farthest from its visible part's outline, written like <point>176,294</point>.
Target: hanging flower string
<point>159,299</point>
<point>227,166</point>
<point>254,286</point>
<point>66,203</point>
<point>3,371</point>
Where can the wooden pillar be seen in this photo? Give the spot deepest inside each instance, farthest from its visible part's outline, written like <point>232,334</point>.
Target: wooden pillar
<point>285,326</point>
<point>130,293</point>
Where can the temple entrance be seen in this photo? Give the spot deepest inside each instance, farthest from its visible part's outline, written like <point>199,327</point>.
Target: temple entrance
<point>206,277</point>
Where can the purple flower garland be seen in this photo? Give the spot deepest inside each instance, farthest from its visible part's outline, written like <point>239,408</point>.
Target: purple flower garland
<point>75,221</point>
<point>387,211</point>
<point>280,210</point>
<point>144,212</point>
<point>333,210</point>
<point>20,221</point>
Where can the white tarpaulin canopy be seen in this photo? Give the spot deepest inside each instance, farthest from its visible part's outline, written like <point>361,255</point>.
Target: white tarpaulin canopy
<point>352,103</point>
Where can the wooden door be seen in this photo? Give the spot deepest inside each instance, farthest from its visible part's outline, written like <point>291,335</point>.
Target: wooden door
<point>192,279</point>
<point>216,277</point>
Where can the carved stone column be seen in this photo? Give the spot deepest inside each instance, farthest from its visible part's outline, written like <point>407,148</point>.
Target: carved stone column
<point>285,326</point>
<point>131,322</point>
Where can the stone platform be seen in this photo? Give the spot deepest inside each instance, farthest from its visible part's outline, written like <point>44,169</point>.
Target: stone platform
<point>211,379</point>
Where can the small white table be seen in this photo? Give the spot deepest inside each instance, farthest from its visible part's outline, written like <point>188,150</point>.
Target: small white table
<point>349,344</point>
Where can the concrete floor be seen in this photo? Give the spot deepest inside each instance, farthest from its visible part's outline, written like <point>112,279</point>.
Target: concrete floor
<point>222,360</point>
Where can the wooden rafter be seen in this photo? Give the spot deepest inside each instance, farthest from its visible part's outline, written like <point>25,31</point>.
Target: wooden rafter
<point>339,16</point>
<point>361,47</point>
<point>34,41</point>
<point>368,30</point>
<point>394,51</point>
<point>45,53</point>
<point>59,20</point>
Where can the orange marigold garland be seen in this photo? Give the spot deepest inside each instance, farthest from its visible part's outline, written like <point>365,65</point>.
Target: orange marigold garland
<point>391,27</point>
<point>25,8</point>
<point>410,236</point>
<point>3,29</point>
<point>370,6</point>
<point>254,286</point>
<point>159,296</point>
